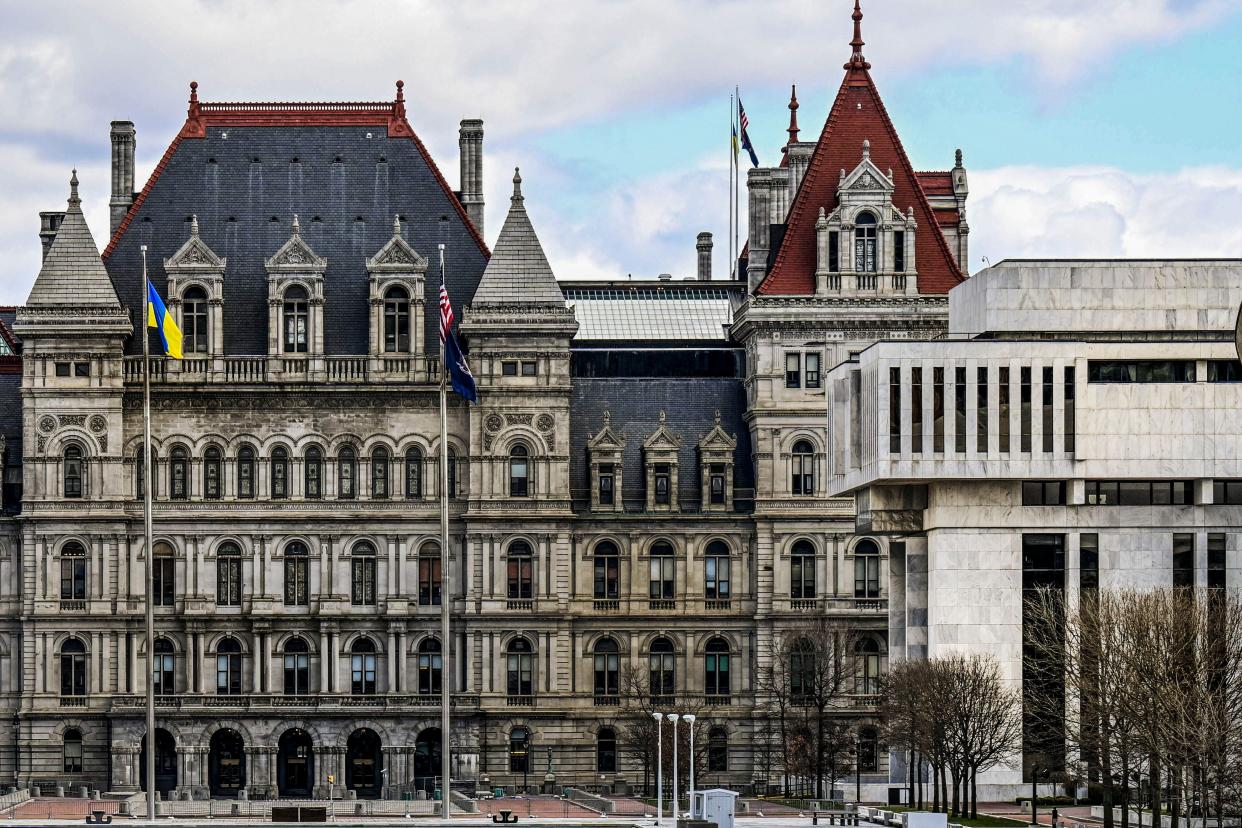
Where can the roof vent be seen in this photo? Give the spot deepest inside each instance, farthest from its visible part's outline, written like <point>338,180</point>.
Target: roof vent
<point>233,218</point>
<point>211,160</point>
<point>383,159</point>
<point>337,160</point>
<point>316,218</point>
<point>666,277</point>
<point>274,218</point>
<point>295,160</point>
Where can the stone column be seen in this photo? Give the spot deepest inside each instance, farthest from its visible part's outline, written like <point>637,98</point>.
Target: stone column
<point>392,662</point>
<point>334,641</point>
<point>325,659</point>
<point>399,657</point>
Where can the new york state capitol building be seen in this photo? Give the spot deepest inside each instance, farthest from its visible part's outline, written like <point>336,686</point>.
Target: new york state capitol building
<point>642,490</point>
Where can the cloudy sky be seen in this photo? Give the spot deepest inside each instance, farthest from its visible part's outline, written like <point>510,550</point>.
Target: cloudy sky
<point>1097,128</point>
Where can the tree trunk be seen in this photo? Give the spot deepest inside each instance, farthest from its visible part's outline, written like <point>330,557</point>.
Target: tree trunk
<point>974,793</point>
<point>910,775</point>
<point>1106,799</point>
<point>957,783</point>
<point>935,782</point>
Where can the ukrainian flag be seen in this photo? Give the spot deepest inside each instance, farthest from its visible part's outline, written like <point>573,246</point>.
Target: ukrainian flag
<point>159,318</point>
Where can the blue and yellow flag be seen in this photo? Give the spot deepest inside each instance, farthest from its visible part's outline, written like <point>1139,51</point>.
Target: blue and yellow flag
<point>159,318</point>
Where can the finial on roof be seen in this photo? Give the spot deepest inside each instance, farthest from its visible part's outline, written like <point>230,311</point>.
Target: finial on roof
<point>958,157</point>
<point>396,225</point>
<point>607,418</point>
<point>297,227</point>
<point>193,92</point>
<point>866,149</point>
<point>73,188</point>
<point>717,416</point>
<point>857,61</point>
<point>663,417</point>
<point>793,114</point>
<point>517,186</point>
<point>400,91</point>
<point>194,225</point>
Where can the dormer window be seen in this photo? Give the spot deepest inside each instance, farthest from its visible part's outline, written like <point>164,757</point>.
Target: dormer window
<point>194,321</point>
<point>607,484</point>
<point>865,243</point>
<point>396,321</point>
<point>296,316</point>
<point>660,475</point>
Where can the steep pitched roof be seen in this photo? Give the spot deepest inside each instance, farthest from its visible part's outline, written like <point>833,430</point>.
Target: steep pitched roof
<point>857,115</point>
<point>73,275</point>
<point>518,273</point>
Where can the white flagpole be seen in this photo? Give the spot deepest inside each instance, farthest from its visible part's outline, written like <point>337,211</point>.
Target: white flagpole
<point>737,180</point>
<point>732,194</point>
<point>146,519</point>
<point>446,670</point>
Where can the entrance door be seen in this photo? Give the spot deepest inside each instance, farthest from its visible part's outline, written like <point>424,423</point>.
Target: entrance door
<point>165,763</point>
<point>363,762</point>
<point>427,759</point>
<point>296,765</point>
<point>227,768</point>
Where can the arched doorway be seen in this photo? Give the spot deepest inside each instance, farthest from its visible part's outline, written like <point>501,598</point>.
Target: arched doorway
<point>165,763</point>
<point>363,763</point>
<point>427,759</point>
<point>226,770</point>
<point>295,767</point>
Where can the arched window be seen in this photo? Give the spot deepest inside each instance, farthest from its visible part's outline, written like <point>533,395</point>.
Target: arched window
<point>140,474</point>
<point>607,669</point>
<point>607,581</point>
<point>213,473</point>
<point>295,320</point>
<point>179,473</point>
<point>606,750</point>
<point>519,747</point>
<point>867,569</point>
<point>802,570</point>
<point>716,668</point>
<point>362,575</point>
<point>163,668</point>
<point>74,470</point>
<point>297,575</point>
<point>717,586</point>
<point>379,473</point>
<point>73,572</point>
<point>803,471</point>
<point>452,473</point>
<point>245,472</point>
<point>519,471</point>
<point>73,668</point>
<point>867,680</point>
<point>396,321</point>
<point>280,473</point>
<point>72,750</point>
<point>312,473</point>
<point>194,321</point>
<point>297,667</point>
<point>228,667</point>
<point>362,667</point>
<point>868,751</point>
<point>228,575</point>
<point>801,671</point>
<point>520,665</point>
<point>164,576</point>
<point>429,575</point>
<point>519,571</point>
<point>430,666</point>
<point>662,572</point>
<point>865,243</point>
<point>346,473</point>
<point>662,668</point>
<point>717,750</point>
<point>413,473</point>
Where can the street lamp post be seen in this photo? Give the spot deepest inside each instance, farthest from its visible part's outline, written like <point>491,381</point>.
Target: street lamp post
<point>659,719</point>
<point>674,718</point>
<point>689,717</point>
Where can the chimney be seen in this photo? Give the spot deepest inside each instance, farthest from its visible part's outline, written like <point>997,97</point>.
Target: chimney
<point>704,248</point>
<point>758,183</point>
<point>122,172</point>
<point>470,149</point>
<point>49,223</point>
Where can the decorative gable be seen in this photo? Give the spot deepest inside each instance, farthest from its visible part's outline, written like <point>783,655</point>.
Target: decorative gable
<point>662,440</point>
<point>606,450</point>
<point>396,256</point>
<point>716,468</point>
<point>660,452</point>
<point>296,256</point>
<point>195,255</point>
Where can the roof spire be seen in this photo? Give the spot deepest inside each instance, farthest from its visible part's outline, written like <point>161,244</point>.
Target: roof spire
<point>517,187</point>
<point>73,188</point>
<point>193,92</point>
<point>793,114</point>
<point>400,91</point>
<point>857,61</point>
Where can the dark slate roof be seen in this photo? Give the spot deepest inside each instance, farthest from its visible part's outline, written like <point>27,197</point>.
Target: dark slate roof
<point>245,206</point>
<point>635,404</point>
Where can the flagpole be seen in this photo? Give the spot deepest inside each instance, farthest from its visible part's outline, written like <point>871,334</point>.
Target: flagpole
<point>446,671</point>
<point>146,519</point>
<point>737,204</point>
<point>732,194</point>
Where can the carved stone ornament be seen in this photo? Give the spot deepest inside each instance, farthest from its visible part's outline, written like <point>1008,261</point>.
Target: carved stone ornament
<point>73,419</point>
<point>47,424</point>
<point>494,423</point>
<point>866,181</point>
<point>396,255</point>
<point>42,443</point>
<point>98,423</point>
<point>545,423</point>
<point>519,419</point>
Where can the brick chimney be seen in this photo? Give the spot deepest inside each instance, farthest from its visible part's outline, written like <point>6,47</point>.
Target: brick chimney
<point>122,172</point>
<point>704,248</point>
<point>470,147</point>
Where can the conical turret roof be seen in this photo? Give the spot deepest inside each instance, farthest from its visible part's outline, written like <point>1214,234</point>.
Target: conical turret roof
<point>73,275</point>
<point>518,273</point>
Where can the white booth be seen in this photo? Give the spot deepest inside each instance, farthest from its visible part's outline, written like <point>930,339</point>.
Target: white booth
<point>714,805</point>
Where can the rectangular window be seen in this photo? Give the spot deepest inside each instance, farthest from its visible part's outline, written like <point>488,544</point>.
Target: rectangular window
<point>894,411</point>
<point>916,410</point>
<point>81,369</point>
<point>1043,493</point>
<point>793,370</point>
<point>607,484</point>
<point>661,586</point>
<point>959,410</point>
<point>1089,561</point>
<point>1183,560</point>
<point>297,581</point>
<point>1070,419</point>
<point>73,578</point>
<point>1002,426</point>
<point>509,369</point>
<point>937,410</point>
<point>660,475</point>
<point>981,413</point>
<point>1227,492</point>
<point>716,570</point>
<point>520,572</point>
<point>899,251</point>
<point>362,593</point>
<point>62,369</point>
<point>164,581</point>
<point>716,484</point>
<point>1145,371</point>
<point>228,581</point>
<point>1047,409</point>
<point>429,581</point>
<point>1216,561</point>
<point>834,252</point>
<point>812,370</point>
<point>607,583</point>
<point>1026,408</point>
<point>529,369</point>
<point>1224,370</point>
<point>1140,492</point>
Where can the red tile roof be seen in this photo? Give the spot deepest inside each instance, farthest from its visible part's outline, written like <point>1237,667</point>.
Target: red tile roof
<point>387,114</point>
<point>858,114</point>
<point>936,183</point>
<point>948,217</point>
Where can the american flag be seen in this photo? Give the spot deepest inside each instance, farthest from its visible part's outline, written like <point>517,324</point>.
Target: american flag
<point>446,312</point>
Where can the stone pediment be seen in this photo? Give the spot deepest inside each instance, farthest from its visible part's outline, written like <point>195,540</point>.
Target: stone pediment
<point>297,255</point>
<point>397,255</point>
<point>606,439</point>
<point>867,177</point>
<point>195,254</point>
<point>662,439</point>
<point>718,439</point>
